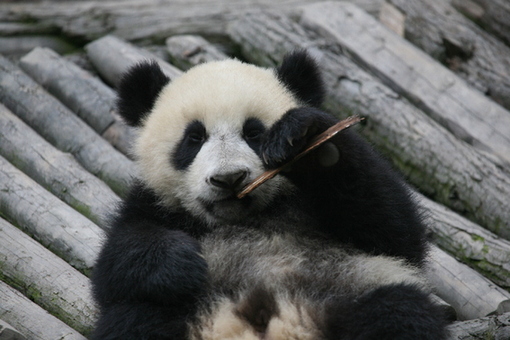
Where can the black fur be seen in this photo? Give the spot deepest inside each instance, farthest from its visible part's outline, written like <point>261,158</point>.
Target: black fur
<point>300,74</point>
<point>360,200</point>
<point>138,91</point>
<point>150,277</point>
<point>191,142</point>
<point>397,312</point>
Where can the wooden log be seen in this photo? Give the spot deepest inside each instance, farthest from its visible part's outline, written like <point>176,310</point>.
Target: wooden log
<point>49,220</point>
<point>466,113</point>
<point>492,15</point>
<point>475,246</point>
<point>84,94</point>
<point>496,327</point>
<point>447,170</point>
<point>471,294</point>
<point>112,57</point>
<point>46,279</point>
<point>473,54</point>
<point>62,128</point>
<point>8,332</point>
<point>30,319</point>
<point>58,172</point>
<point>187,51</point>
<point>135,20</point>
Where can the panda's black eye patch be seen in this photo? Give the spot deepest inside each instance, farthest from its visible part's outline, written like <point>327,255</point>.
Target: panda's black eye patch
<point>253,130</point>
<point>192,140</point>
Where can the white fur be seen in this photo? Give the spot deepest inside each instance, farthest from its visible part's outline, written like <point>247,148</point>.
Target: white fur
<point>221,95</point>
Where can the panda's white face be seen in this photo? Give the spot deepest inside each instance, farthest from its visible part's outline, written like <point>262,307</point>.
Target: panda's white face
<point>197,148</point>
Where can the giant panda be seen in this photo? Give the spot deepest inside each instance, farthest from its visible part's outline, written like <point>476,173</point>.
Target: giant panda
<point>331,248</point>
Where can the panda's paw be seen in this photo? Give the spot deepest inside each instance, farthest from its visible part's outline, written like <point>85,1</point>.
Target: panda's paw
<point>289,136</point>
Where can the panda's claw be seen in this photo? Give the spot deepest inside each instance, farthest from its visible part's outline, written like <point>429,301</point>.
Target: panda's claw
<point>290,140</point>
<point>264,157</point>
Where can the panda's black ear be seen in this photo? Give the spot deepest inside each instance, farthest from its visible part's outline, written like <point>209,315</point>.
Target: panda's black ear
<point>138,90</point>
<point>300,73</point>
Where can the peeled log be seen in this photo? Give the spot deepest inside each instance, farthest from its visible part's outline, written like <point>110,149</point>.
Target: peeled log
<point>477,247</point>
<point>471,294</point>
<point>45,278</point>
<point>84,94</point>
<point>113,56</point>
<point>469,51</point>
<point>62,128</point>
<point>52,222</point>
<point>443,167</point>
<point>30,319</point>
<point>190,50</point>
<point>466,113</point>
<point>57,171</point>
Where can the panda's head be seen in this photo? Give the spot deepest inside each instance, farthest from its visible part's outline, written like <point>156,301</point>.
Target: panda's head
<point>200,134</point>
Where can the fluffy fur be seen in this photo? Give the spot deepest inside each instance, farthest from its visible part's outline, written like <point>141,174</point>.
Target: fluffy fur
<point>330,249</point>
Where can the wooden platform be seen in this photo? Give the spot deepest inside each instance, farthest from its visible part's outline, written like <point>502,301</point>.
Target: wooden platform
<point>431,77</point>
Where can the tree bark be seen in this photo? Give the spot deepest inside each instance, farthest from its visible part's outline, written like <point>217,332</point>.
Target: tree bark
<point>447,170</point>
<point>46,279</point>
<point>473,54</point>
<point>471,294</point>
<point>58,172</point>
<point>447,99</point>
<point>62,128</point>
<point>52,222</point>
<point>30,319</point>
<point>187,51</point>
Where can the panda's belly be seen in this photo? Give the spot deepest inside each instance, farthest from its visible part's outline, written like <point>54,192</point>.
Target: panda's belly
<point>269,285</point>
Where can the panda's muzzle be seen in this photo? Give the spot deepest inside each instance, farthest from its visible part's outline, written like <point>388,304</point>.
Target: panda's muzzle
<point>232,182</point>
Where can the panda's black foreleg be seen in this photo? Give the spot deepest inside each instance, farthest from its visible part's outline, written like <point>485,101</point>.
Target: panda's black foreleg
<point>355,194</point>
<point>395,312</point>
<point>147,282</point>
<point>139,321</point>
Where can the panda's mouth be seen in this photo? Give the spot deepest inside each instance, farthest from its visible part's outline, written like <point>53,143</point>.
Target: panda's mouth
<point>228,209</point>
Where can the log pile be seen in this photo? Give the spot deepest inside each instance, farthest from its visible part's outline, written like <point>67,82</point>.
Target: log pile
<point>430,77</point>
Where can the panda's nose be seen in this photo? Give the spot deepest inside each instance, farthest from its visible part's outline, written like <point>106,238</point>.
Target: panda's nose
<point>231,181</point>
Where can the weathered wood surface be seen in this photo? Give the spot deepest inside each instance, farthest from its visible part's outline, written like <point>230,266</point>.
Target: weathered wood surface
<point>7,332</point>
<point>45,278</point>
<point>474,245</point>
<point>52,222</point>
<point>80,91</point>
<point>492,15</point>
<point>473,54</point>
<point>466,113</point>
<point>441,166</point>
<point>61,127</point>
<point>496,327</point>
<point>140,20</point>
<point>31,320</point>
<point>472,295</point>
<point>55,170</point>
<point>190,50</point>
<point>113,56</point>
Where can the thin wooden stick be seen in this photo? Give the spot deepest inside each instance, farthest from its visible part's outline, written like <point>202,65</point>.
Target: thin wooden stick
<point>316,141</point>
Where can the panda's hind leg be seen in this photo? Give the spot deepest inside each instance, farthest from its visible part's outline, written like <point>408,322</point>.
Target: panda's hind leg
<point>391,312</point>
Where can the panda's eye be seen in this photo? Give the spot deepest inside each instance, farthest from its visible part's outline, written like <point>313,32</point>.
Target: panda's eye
<point>195,133</point>
<point>253,129</point>
<point>196,138</point>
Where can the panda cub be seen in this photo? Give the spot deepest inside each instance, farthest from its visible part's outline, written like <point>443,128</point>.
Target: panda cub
<point>332,248</point>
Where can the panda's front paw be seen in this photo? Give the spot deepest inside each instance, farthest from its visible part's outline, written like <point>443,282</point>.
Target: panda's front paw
<point>289,136</point>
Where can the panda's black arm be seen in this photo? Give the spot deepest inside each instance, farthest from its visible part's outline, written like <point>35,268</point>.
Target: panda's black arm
<point>149,274</point>
<point>360,199</point>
